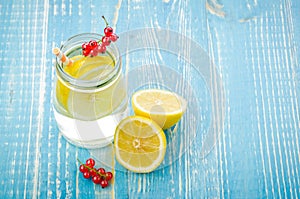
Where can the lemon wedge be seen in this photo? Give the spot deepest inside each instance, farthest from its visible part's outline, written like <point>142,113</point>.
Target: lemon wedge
<point>140,144</point>
<point>164,107</point>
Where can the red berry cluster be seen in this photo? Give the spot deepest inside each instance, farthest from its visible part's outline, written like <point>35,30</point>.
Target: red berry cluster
<point>99,176</point>
<point>93,47</point>
<point>90,48</point>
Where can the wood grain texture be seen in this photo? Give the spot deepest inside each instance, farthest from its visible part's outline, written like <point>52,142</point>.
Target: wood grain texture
<point>258,152</point>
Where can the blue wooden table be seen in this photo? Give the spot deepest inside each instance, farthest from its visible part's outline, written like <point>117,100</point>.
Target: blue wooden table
<point>240,136</point>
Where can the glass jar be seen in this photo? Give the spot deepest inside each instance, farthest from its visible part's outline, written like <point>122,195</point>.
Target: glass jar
<point>90,96</point>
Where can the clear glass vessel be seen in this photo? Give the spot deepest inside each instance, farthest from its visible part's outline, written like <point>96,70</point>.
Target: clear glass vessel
<point>90,96</point>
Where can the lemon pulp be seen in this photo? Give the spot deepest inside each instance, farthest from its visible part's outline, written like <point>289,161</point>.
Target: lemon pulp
<point>140,144</point>
<point>164,107</point>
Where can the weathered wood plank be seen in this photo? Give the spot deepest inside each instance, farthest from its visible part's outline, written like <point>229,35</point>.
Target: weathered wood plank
<point>257,155</point>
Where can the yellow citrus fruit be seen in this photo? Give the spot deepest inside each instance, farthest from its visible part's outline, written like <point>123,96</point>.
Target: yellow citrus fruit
<point>140,144</point>
<point>89,65</point>
<point>164,107</point>
<point>90,105</point>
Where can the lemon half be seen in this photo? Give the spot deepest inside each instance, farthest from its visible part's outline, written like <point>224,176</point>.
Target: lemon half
<point>140,144</point>
<point>164,107</point>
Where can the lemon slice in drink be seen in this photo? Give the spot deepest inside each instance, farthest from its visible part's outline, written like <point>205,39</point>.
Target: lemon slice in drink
<point>164,107</point>
<point>86,105</point>
<point>140,144</point>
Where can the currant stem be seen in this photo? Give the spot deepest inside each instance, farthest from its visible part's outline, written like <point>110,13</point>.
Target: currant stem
<point>105,21</point>
<point>89,168</point>
<point>79,161</point>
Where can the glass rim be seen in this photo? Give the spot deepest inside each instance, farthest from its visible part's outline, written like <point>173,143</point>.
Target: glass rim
<point>75,42</point>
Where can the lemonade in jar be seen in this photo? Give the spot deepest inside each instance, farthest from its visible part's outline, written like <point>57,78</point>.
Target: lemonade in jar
<point>90,95</point>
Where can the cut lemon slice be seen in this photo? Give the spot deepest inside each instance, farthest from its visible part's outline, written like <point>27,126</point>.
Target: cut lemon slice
<point>85,105</point>
<point>164,107</point>
<point>140,144</point>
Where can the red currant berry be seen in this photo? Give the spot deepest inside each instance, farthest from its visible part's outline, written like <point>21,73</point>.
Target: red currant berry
<point>94,52</point>
<point>101,171</point>
<point>96,179</point>
<point>93,172</point>
<point>87,174</point>
<point>86,48</point>
<point>90,162</point>
<point>82,168</point>
<point>108,176</point>
<point>108,31</point>
<point>104,183</point>
<point>93,44</point>
<point>105,40</point>
<point>113,37</point>
<point>101,48</point>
